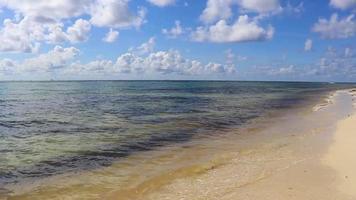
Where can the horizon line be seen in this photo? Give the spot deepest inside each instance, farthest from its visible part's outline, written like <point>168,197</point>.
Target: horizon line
<point>180,80</point>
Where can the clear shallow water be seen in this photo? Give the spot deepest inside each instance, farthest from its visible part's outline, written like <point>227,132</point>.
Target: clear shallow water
<point>50,128</point>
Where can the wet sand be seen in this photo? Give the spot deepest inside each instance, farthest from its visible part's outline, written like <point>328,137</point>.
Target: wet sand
<point>297,155</point>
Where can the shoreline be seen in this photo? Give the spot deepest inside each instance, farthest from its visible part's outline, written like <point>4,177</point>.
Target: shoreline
<point>252,164</point>
<point>290,167</point>
<point>341,154</point>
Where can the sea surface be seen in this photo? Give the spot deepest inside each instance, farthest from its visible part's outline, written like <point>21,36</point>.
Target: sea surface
<point>53,128</point>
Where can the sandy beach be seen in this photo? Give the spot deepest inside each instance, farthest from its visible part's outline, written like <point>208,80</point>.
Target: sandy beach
<point>341,155</point>
<point>316,164</point>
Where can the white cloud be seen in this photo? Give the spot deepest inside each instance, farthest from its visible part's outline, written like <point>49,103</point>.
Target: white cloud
<point>47,21</point>
<point>162,3</point>
<point>308,45</point>
<point>219,68</point>
<point>56,34</point>
<point>129,63</point>
<point>111,36</point>
<point>160,62</point>
<point>57,58</point>
<point>26,34</point>
<point>79,31</point>
<point>96,66</point>
<point>63,61</point>
<point>46,11</point>
<point>115,14</point>
<point>260,6</point>
<point>21,36</point>
<point>343,4</point>
<point>146,47</point>
<point>244,29</point>
<point>108,13</point>
<point>285,70</point>
<point>166,62</point>
<point>335,28</point>
<point>175,31</point>
<point>222,9</point>
<point>216,9</point>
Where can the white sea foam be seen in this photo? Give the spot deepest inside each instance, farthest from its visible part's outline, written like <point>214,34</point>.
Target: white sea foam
<point>353,94</point>
<point>326,102</point>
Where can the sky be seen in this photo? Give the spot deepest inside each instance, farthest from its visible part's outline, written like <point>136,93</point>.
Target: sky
<point>270,40</point>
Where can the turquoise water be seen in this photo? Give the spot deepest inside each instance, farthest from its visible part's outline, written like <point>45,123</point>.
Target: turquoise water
<point>50,128</point>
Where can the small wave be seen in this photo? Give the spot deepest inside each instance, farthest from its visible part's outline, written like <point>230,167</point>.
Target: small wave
<point>326,102</point>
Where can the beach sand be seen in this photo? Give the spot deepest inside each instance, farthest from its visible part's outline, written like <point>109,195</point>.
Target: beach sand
<point>341,155</point>
<point>314,158</point>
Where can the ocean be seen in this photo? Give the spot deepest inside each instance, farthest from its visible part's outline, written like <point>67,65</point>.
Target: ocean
<point>54,128</point>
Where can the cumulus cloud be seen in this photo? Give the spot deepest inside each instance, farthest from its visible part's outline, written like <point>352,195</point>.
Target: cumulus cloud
<point>111,36</point>
<point>160,62</point>
<point>43,21</point>
<point>26,35</point>
<point>62,60</point>
<point>260,6</point>
<point>115,14</point>
<point>336,28</point>
<point>343,4</point>
<point>285,70</point>
<point>146,47</point>
<point>244,29</point>
<point>173,62</point>
<point>79,31</point>
<point>308,45</point>
<point>216,9</point>
<point>56,59</point>
<point>110,13</point>
<point>47,11</point>
<point>175,31</point>
<point>162,3</point>
<point>21,36</point>
<point>54,33</point>
<point>222,9</point>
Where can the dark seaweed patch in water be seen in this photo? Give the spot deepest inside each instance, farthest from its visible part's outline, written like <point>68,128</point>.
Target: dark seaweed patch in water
<point>87,160</point>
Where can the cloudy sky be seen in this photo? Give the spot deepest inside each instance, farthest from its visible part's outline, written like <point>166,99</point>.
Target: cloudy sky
<point>178,39</point>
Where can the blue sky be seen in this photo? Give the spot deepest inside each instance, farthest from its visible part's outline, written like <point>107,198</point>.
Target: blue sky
<point>178,39</point>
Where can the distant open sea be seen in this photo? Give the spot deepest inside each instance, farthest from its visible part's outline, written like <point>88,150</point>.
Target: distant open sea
<point>52,128</point>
